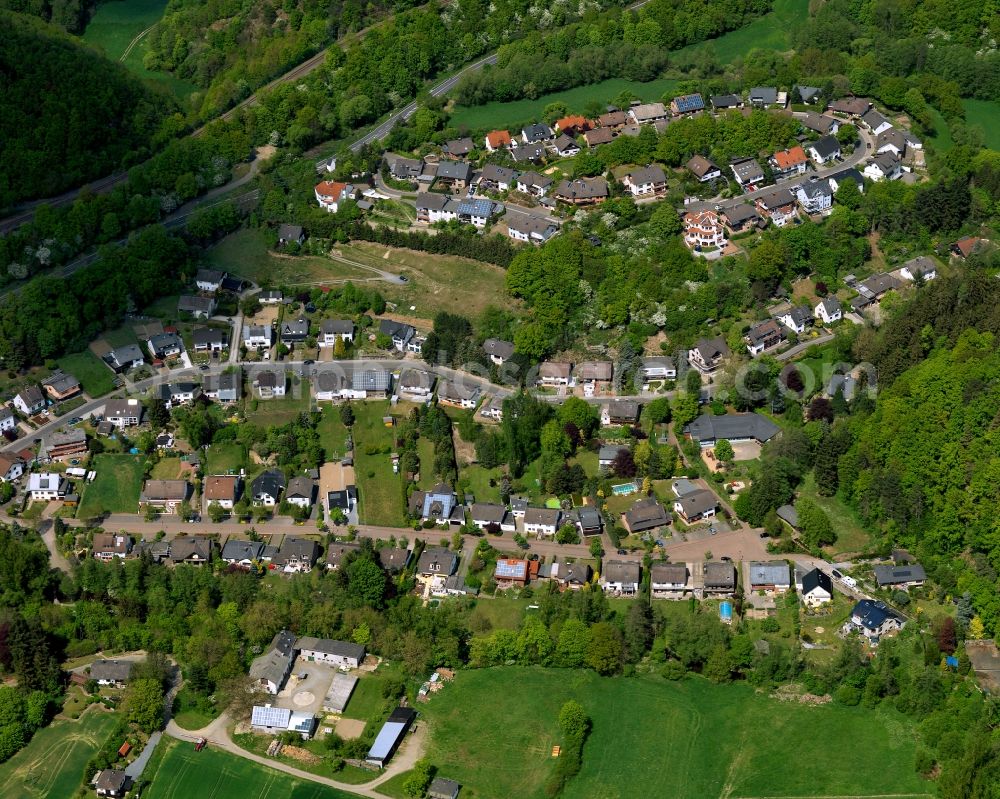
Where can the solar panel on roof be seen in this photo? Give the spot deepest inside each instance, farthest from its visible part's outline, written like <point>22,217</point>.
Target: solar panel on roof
<point>510,568</point>
<point>270,716</point>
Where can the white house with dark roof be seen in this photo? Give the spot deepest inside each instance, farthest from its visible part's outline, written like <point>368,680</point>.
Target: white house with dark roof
<point>703,169</point>
<point>814,586</point>
<point>331,652</point>
<point>884,166</point>
<point>209,279</point>
<point>669,580</point>
<point>696,505</point>
<point>124,358</point>
<point>647,181</point>
<point>542,521</point>
<point>498,350</point>
<point>123,413</point>
<point>922,267</point>
<point>708,428</point>
<point>659,367</point>
<point>332,330</point>
<point>29,400</point>
<point>708,354</point>
<point>795,319</point>
<point>828,310</point>
<point>620,577</point>
<point>824,149</point>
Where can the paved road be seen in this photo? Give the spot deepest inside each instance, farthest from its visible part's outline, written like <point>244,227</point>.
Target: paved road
<point>802,346</point>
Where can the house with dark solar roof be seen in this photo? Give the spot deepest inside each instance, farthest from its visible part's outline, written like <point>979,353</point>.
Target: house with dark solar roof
<point>687,104</point>
<point>874,619</point>
<point>511,572</point>
<point>892,576</point>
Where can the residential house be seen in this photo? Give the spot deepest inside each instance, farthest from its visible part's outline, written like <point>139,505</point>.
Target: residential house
<point>223,490</point>
<point>209,280</point>
<point>554,373</point>
<point>394,559</point>
<point>511,573</point>
<point>703,169</point>
<point>874,619</point>
<point>875,122</point>
<point>808,94</point>
<point>500,178</point>
<point>437,561</point>
<point>644,515</point>
<point>294,331</point>
<point>112,782</point>
<point>344,654</point>
<point>594,375</point>
<point>824,149</point>
<point>457,394</point>
<point>439,505</point>
<point>613,119</point>
<point>432,207</point>
<point>370,384</point>
<point>719,578</point>
<point>164,346</point>
<point>659,367</point>
<point>270,297</point>
<point>620,577</point>
<point>967,245</point>
<point>748,174</point>
<point>270,670</point>
<point>533,134</point>
<point>723,102</point>
<point>828,310</point>
<point>330,195</point>
<point>477,212</point>
<point>499,351</point>
<point>790,162</point>
<point>533,183</point>
<point>815,587</point>
<point>606,455</point>
<point>687,104</point>
<point>704,229</point>
<point>165,495</point>
<point>762,336</point>
<point>492,517</point>
<point>402,168</point>
<point>573,125</point>
<point>493,409</point>
<point>456,174</point>
<point>837,179</point>
<point>845,384</point>
<point>566,146</point>
<point>296,555</point>
<point>61,386</point>
<point>922,267</point>
<point>124,358</point>
<point>333,330</point>
<point>884,166</point>
<point>708,428</point>
<point>696,505</point>
<point>267,487</point>
<point>874,288</point>
<point>818,123</point>
<point>198,307</point>
<point>209,339</point>
<point>815,196</point>
<point>648,113</point>
<point>225,387</point>
<point>620,412</point>
<point>337,550</point>
<point>582,191</point>
<point>30,400</point>
<point>598,136</point>
<point>891,140</point>
<point>778,206</point>
<point>179,393</point>
<point>70,443</point>
<point>530,228</point>
<point>194,550</point>
<point>763,97</point>
<point>771,576</point>
<point>301,492</point>
<point>796,319</point>
<point>290,234</point>
<point>123,413</point>
<point>459,148</point>
<point>416,385</point>
<point>708,354</point>
<point>572,576</point>
<point>11,467</point>
<point>527,153</point>
<point>741,217</point>
<point>901,576</point>
<point>400,333</point>
<point>647,181</point>
<point>542,521</point>
<point>256,337</point>
<point>8,422</point>
<point>669,580</point>
<point>269,384</point>
<point>851,106</point>
<point>108,546</point>
<point>497,139</point>
<point>588,520</point>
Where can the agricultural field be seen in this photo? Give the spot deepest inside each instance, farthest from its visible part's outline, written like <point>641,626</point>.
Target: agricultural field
<point>706,740</point>
<point>773,31</point>
<point>517,113</point>
<point>985,115</point>
<point>51,765</point>
<point>116,487</point>
<point>91,371</point>
<point>380,491</point>
<point>214,774</point>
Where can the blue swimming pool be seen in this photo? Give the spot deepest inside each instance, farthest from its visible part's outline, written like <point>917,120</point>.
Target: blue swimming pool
<point>624,489</point>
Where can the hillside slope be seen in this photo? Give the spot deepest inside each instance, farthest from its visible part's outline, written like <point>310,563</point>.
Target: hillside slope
<point>67,115</point>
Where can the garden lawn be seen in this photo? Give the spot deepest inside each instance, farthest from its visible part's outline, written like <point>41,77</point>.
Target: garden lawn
<point>245,253</point>
<point>282,410</point>
<point>380,491</point>
<point>51,765</point>
<point>214,774</point>
<point>502,612</point>
<point>366,702</point>
<point>116,487</point>
<point>91,371</point>
<point>332,433</point>
<point>520,112</point>
<point>225,458</point>
<point>772,31</point>
<point>986,115</point>
<point>475,480</point>
<point>685,740</point>
<point>166,469</point>
<point>425,449</point>
<point>187,712</point>
<point>852,537</point>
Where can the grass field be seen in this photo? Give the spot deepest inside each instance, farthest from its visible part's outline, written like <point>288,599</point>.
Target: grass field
<point>279,411</point>
<point>116,23</point>
<point>51,765</point>
<point>224,458</point>
<point>476,481</point>
<point>851,535</point>
<point>942,140</point>
<point>380,493</point>
<point>332,433</point>
<point>770,32</point>
<point>116,488</point>
<point>166,469</point>
<point>189,714</point>
<point>520,112</point>
<point>985,115</point>
<point>685,740</point>
<point>91,371</point>
<point>213,774</point>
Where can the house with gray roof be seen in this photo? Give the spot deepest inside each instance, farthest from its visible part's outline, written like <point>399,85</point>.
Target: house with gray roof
<point>437,561</point>
<point>904,576</point>
<point>457,174</point>
<point>647,181</point>
<point>644,515</point>
<point>270,670</point>
<point>719,578</point>
<point>748,173</point>
<point>763,96</point>
<point>696,505</point>
<point>333,653</point>
<point>242,553</point>
<point>620,577</point>
<point>669,580</point>
<point>115,673</point>
<point>198,307</point>
<point>773,576</point>
<point>707,429</point>
<point>708,354</point>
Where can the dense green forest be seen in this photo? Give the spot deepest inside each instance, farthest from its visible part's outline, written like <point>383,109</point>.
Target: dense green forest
<point>67,115</point>
<point>71,15</point>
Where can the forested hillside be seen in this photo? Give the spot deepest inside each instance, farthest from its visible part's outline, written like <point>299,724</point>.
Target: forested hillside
<point>66,114</point>
<point>71,15</point>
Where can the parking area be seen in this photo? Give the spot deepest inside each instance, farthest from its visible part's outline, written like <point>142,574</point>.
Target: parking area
<point>306,687</point>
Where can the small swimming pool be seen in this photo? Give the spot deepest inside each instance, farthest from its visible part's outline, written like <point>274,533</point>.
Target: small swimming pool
<point>624,489</point>
<point>726,612</point>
